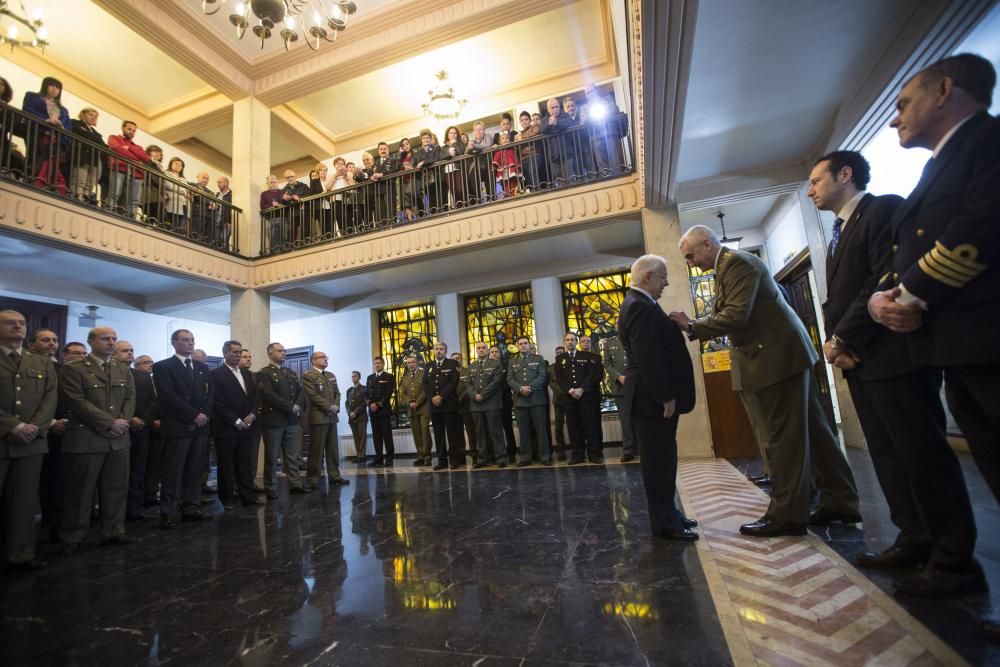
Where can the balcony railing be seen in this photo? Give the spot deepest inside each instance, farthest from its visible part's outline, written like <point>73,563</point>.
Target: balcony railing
<point>69,166</point>
<point>579,155</point>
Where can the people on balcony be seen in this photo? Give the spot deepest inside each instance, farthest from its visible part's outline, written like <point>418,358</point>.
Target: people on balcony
<point>11,160</point>
<point>427,182</point>
<point>480,177</point>
<point>321,214</point>
<point>176,196</point>
<point>343,202</point>
<point>454,181</point>
<point>152,187</point>
<point>202,209</point>
<point>47,150</point>
<point>270,208</point>
<point>292,194</point>
<point>85,170</point>
<point>507,167</point>
<point>125,179</point>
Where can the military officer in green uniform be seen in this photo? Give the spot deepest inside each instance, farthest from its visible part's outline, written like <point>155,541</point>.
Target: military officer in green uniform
<point>320,386</point>
<point>411,393</point>
<point>464,412</point>
<point>99,396</point>
<point>28,397</point>
<point>484,380</point>
<point>613,355</point>
<point>282,400</point>
<point>357,416</point>
<point>526,375</point>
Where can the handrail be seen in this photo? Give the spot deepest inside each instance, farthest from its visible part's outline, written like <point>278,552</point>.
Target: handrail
<point>66,164</point>
<point>574,156</point>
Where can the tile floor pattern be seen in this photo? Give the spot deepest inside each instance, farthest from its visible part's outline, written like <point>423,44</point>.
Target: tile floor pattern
<point>796,601</point>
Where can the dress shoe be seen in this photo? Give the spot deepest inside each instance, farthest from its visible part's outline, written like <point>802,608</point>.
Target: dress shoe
<point>824,517</point>
<point>479,464</point>
<point>523,464</point>
<point>682,535</point>
<point>194,515</point>
<point>574,461</point>
<point>628,458</point>
<point>375,463</point>
<point>547,463</point>
<point>440,466</point>
<point>894,556</point>
<point>598,460</point>
<point>934,582</point>
<point>168,522</point>
<point>388,461</point>
<point>457,466</point>
<point>272,494</point>
<point>252,502</point>
<point>502,465</point>
<point>768,527</point>
<point>418,462</point>
<point>299,490</point>
<point>33,565</point>
<point>339,480</point>
<point>689,523</point>
<point>990,626</point>
<point>118,540</point>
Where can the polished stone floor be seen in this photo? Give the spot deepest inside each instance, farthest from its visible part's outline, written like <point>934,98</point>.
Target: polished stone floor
<point>532,566</point>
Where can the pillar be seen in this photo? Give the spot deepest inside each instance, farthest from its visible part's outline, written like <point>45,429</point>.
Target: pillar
<point>250,321</point>
<point>251,165</point>
<point>450,319</point>
<point>661,232</point>
<point>550,323</point>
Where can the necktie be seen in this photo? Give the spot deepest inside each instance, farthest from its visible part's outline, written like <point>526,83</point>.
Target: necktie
<point>15,357</point>
<point>189,367</point>
<point>837,224</point>
<point>105,366</point>
<point>572,356</point>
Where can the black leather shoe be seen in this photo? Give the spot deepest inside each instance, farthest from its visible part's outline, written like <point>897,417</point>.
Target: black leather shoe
<point>252,502</point>
<point>682,535</point>
<point>418,462</point>
<point>628,458</point>
<point>375,463</point>
<point>440,466</point>
<point>689,523</point>
<point>547,463</point>
<point>118,540</point>
<point>168,522</point>
<point>523,464</point>
<point>457,466</point>
<point>824,517</point>
<point>894,556</point>
<point>340,480</point>
<point>502,465</point>
<point>598,460</point>
<point>938,583</point>
<point>477,465</point>
<point>272,494</point>
<point>767,527</point>
<point>990,626</point>
<point>575,461</point>
<point>194,515</point>
<point>299,490</point>
<point>388,462</point>
<point>33,565</point>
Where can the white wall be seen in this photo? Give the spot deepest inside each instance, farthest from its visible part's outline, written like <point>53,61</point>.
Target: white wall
<point>21,81</point>
<point>784,235</point>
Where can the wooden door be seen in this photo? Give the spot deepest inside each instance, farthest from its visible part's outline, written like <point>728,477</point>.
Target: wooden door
<point>39,315</point>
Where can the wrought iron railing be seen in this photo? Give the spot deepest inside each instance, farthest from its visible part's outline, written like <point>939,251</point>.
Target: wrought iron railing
<point>578,155</point>
<point>67,165</point>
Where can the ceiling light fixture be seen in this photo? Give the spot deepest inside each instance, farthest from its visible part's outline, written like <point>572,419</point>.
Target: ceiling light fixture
<point>311,18</point>
<point>442,102</point>
<point>10,32</point>
<point>732,244</point>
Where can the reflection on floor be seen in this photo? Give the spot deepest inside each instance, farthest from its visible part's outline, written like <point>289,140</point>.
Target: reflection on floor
<point>554,565</point>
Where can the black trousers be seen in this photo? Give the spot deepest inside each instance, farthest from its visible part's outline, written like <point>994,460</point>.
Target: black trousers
<point>584,429</point>
<point>559,426</point>
<point>382,437</point>
<point>974,399</point>
<point>904,424</point>
<point>507,419</point>
<point>138,458</point>
<point>235,467</point>
<point>52,486</point>
<point>182,463</point>
<point>154,468</point>
<point>470,431</point>
<point>449,441</point>
<point>656,439</point>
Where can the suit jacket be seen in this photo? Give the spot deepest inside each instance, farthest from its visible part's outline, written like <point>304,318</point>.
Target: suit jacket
<point>584,369</point>
<point>280,390</point>
<point>147,405</point>
<point>485,377</point>
<point>230,402</point>
<point>945,248</point>
<point>323,394</point>
<point>769,342</point>
<point>182,396</point>
<point>355,401</point>
<point>659,367</point>
<point>28,395</point>
<point>615,362</point>
<point>442,382</point>
<point>851,275</point>
<point>529,370</point>
<point>379,389</point>
<point>411,390</point>
<point>94,399</point>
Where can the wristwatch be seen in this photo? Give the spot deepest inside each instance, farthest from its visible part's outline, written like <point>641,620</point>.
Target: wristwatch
<point>690,327</point>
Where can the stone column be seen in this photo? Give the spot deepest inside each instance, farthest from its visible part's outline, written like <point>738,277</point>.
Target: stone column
<point>250,321</point>
<point>450,322</point>
<point>661,231</point>
<point>550,323</point>
<point>251,165</point>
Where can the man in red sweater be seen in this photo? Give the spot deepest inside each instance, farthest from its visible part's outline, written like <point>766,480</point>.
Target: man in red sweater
<point>124,175</point>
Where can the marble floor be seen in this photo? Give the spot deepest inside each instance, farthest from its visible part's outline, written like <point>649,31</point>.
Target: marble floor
<point>533,566</point>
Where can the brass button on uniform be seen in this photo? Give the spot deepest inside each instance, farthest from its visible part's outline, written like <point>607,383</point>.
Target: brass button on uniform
<point>895,247</point>
<point>921,233</point>
<point>895,276</point>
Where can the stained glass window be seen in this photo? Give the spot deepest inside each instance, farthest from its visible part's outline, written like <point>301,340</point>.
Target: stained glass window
<point>406,330</point>
<point>703,293</point>
<point>499,318</point>
<point>591,306</point>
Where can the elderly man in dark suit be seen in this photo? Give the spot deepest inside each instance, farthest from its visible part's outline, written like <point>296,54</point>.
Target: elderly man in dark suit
<point>773,358</point>
<point>186,395</point>
<point>27,404</point>
<point>659,387</point>
<point>234,417</point>
<point>898,405</point>
<point>943,280</point>
<point>99,395</point>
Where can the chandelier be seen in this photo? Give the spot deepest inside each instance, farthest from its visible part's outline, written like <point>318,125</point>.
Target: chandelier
<point>732,244</point>
<point>289,18</point>
<point>442,103</point>
<point>12,33</point>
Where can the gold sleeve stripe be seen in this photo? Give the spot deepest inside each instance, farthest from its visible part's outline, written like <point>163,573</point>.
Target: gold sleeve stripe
<point>937,275</point>
<point>884,278</point>
<point>964,254</point>
<point>944,262</point>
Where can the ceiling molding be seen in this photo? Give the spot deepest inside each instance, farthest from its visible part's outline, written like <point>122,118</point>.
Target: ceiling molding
<point>303,298</point>
<point>301,128</point>
<point>192,43</point>
<point>185,122</point>
<point>301,166</point>
<point>370,44</point>
<point>716,191</point>
<point>189,297</point>
<point>667,43</point>
<point>932,31</point>
<point>212,157</point>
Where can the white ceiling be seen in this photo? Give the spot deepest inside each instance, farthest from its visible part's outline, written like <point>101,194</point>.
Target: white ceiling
<point>283,148</point>
<point>743,215</point>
